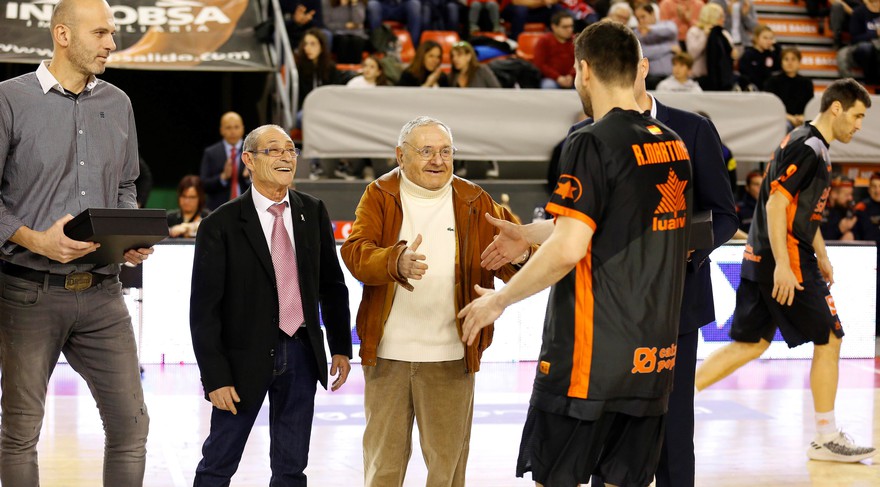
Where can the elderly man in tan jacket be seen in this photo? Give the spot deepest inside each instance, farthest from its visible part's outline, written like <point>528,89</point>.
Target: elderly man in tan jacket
<point>416,246</point>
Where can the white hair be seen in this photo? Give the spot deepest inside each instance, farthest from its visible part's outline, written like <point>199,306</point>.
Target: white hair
<point>420,122</point>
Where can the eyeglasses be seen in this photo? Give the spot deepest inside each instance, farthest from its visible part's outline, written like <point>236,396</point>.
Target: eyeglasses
<point>427,153</point>
<point>276,152</point>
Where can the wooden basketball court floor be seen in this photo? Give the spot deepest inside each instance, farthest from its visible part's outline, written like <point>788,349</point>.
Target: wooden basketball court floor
<point>752,429</point>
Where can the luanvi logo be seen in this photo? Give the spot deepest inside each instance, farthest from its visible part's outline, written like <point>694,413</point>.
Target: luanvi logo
<point>672,201</point>
<point>171,15</point>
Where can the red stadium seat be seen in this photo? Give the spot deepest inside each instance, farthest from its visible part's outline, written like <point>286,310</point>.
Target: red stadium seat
<point>446,38</point>
<point>526,44</point>
<point>535,27</point>
<point>407,50</point>
<point>349,67</point>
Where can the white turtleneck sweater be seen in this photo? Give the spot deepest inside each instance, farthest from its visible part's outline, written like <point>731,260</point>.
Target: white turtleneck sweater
<point>421,325</point>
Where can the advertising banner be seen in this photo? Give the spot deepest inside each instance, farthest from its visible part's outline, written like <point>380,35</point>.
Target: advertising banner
<point>183,35</point>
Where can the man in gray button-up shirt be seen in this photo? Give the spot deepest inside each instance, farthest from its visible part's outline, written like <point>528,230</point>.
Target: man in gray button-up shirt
<point>67,143</point>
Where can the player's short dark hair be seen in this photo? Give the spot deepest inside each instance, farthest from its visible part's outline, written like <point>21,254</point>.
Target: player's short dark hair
<point>612,51</point>
<point>847,91</point>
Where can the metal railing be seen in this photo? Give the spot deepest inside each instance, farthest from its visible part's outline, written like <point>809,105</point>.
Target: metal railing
<point>286,97</point>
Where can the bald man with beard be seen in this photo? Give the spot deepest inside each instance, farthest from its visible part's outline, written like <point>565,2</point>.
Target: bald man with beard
<point>67,143</point>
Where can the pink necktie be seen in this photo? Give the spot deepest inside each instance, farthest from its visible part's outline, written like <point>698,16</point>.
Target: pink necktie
<point>233,192</point>
<point>286,274</point>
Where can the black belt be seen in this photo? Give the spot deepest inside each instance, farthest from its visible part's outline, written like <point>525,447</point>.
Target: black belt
<point>75,281</point>
<point>300,334</point>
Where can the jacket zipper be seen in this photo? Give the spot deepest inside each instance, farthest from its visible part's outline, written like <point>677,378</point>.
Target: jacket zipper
<point>466,274</point>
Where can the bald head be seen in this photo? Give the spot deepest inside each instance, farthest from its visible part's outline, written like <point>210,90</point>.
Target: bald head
<point>231,127</point>
<point>65,12</point>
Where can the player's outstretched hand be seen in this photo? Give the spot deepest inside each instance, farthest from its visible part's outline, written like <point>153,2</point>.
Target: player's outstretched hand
<point>479,314</point>
<point>509,244</point>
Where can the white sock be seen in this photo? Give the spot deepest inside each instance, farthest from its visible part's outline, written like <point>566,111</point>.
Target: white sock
<point>826,425</point>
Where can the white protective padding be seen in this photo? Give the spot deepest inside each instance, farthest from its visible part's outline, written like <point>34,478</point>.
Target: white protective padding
<point>521,125</point>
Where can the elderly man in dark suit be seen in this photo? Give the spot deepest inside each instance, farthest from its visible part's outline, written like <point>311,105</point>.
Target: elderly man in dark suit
<point>263,265</point>
<point>223,171</point>
<point>711,192</point>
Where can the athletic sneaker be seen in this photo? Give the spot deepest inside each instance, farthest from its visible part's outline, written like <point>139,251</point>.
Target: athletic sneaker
<point>841,448</point>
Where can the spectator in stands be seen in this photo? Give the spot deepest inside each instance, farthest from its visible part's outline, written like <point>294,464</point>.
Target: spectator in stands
<point>477,7</point>
<point>838,216</point>
<point>745,208</point>
<point>467,72</point>
<point>315,69</point>
<point>740,19</point>
<point>698,38</point>
<point>371,76</point>
<point>621,13</point>
<point>680,80</point>
<point>300,16</point>
<point>184,221</point>
<point>440,14</point>
<point>408,12</point>
<point>863,27</point>
<point>518,12</point>
<point>554,52</point>
<point>345,20</point>
<point>720,56</point>
<point>685,14</point>
<point>818,10</point>
<point>222,172</point>
<point>839,19</point>
<point>867,213</point>
<point>659,43</point>
<point>794,90</point>
<point>584,14</point>
<point>760,60</point>
<point>314,64</point>
<point>425,69</point>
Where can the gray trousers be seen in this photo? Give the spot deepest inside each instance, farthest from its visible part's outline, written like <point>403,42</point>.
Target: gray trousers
<point>93,329</point>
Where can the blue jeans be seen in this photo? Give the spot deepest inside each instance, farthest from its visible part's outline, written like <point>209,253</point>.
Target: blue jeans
<point>446,10</point>
<point>93,329</point>
<point>407,11</point>
<point>291,409</point>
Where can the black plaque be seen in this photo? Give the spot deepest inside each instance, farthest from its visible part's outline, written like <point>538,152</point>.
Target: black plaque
<point>117,230</point>
<point>702,237</point>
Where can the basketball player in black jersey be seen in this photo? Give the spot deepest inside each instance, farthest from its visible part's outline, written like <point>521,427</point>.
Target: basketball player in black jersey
<point>618,251</point>
<point>786,274</point>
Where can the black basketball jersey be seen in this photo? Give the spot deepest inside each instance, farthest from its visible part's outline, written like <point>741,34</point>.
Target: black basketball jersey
<point>612,322</point>
<point>801,170</point>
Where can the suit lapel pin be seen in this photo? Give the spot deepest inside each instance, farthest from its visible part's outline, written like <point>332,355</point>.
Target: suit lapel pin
<point>301,217</point>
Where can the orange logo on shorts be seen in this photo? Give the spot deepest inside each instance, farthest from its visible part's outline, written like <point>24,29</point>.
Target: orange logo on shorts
<point>831,306</point>
<point>544,367</point>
